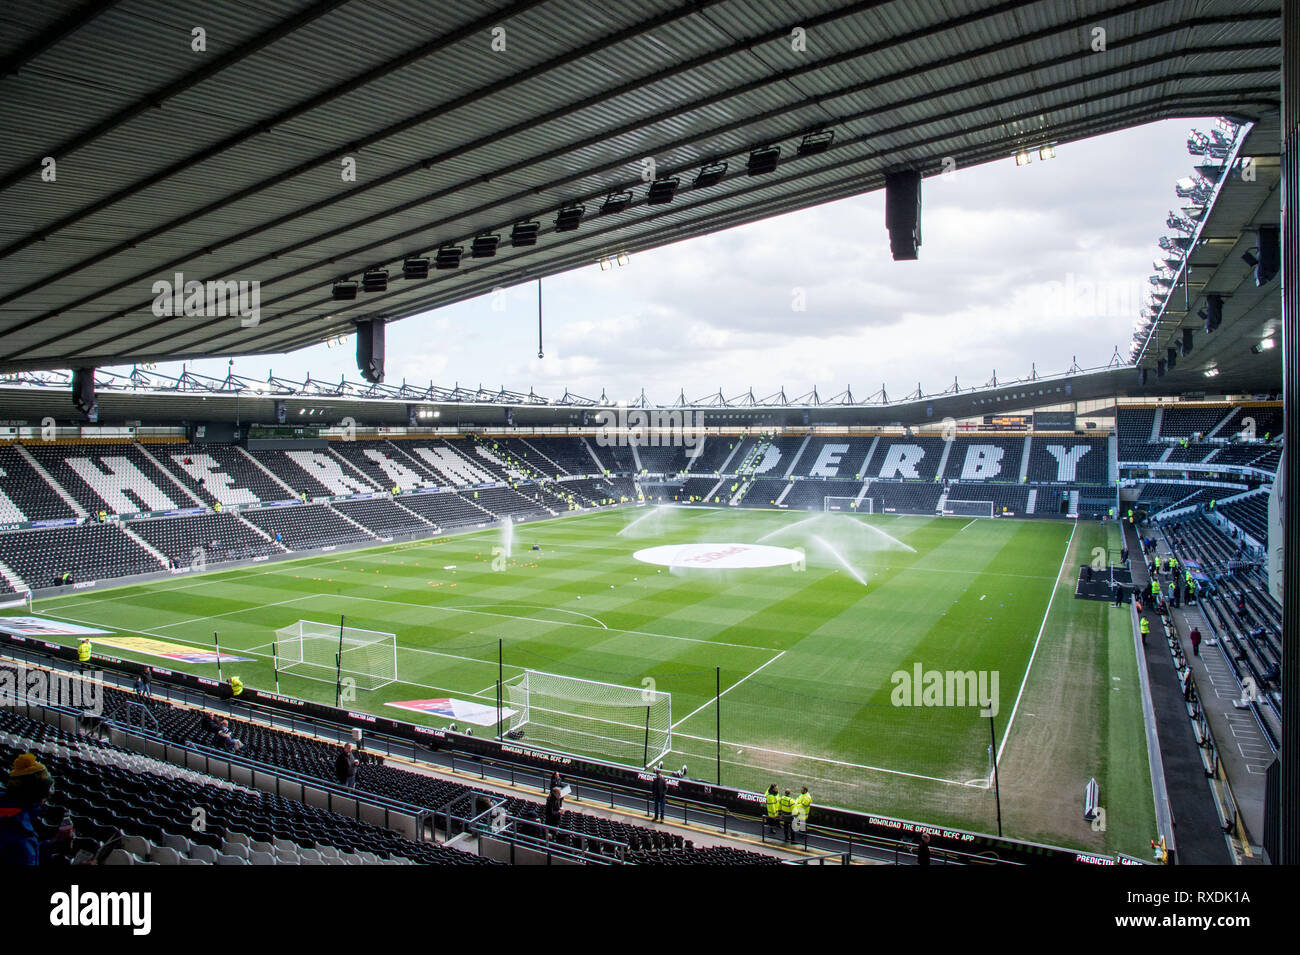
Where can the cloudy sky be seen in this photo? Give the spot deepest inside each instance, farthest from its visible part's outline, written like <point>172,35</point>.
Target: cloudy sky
<point>1039,264</point>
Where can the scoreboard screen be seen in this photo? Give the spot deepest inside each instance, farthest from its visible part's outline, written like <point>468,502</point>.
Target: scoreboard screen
<point>1054,421</point>
<point>1008,422</point>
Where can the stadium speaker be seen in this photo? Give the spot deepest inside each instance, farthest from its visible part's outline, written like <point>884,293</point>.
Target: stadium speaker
<point>1185,348</point>
<point>1269,254</point>
<point>411,415</point>
<point>1171,358</point>
<point>83,392</point>
<point>1213,312</point>
<point>281,412</point>
<point>903,213</point>
<point>370,349</point>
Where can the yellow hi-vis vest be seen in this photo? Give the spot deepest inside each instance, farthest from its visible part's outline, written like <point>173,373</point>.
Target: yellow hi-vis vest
<point>83,651</point>
<point>236,686</point>
<point>772,803</point>
<point>787,804</point>
<point>803,805</point>
<point>1146,626</point>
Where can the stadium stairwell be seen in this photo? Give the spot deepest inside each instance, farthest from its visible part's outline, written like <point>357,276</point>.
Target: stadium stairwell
<point>293,495</point>
<point>794,458</point>
<point>257,530</point>
<point>749,466</point>
<point>145,545</point>
<point>35,465</point>
<point>15,582</point>
<point>144,452</point>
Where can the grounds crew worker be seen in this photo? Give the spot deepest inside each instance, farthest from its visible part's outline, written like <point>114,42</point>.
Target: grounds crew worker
<point>802,807</point>
<point>773,807</point>
<point>1146,629</point>
<point>83,652</point>
<point>787,813</point>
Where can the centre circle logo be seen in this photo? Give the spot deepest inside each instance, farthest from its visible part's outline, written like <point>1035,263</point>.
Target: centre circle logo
<point>718,556</point>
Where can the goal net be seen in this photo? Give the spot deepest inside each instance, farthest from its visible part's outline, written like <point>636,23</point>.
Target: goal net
<point>968,508</point>
<point>851,504</point>
<point>323,651</point>
<point>622,724</point>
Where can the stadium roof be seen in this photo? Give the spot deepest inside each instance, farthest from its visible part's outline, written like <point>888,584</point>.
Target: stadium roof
<point>227,163</point>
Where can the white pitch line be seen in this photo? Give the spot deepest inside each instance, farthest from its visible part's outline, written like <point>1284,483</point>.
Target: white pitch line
<point>214,616</point>
<point>964,526</point>
<point>597,620</point>
<point>714,699</point>
<point>1006,734</point>
<point>557,623</point>
<point>827,759</point>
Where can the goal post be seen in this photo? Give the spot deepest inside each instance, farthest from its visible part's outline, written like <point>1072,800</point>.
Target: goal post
<point>326,651</point>
<point>851,505</point>
<point>19,599</point>
<point>952,508</point>
<point>622,724</point>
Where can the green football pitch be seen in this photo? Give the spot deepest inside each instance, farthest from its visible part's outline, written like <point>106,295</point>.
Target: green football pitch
<point>807,653</point>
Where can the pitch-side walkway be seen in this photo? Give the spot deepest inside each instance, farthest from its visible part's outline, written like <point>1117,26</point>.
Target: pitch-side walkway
<point>1244,753</point>
<point>1197,831</point>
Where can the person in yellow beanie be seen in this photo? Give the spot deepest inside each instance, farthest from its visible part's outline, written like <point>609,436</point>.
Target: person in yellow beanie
<point>27,787</point>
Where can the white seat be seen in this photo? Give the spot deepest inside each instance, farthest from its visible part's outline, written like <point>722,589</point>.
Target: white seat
<point>236,849</point>
<point>238,838</point>
<point>261,858</point>
<point>310,857</point>
<point>137,846</point>
<point>231,860</point>
<point>261,847</point>
<point>120,857</point>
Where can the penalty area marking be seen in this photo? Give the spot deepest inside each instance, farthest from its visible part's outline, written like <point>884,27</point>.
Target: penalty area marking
<point>714,699</point>
<point>826,759</point>
<point>1006,735</point>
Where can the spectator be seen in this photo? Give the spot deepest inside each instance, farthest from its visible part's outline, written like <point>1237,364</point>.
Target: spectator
<point>345,767</point>
<point>659,790</point>
<point>1196,642</point>
<point>224,739</point>
<point>28,786</point>
<point>923,849</point>
<point>554,806</point>
<point>773,799</point>
<point>144,684</point>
